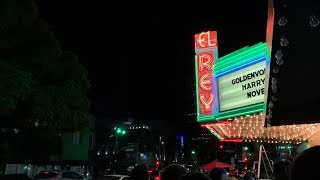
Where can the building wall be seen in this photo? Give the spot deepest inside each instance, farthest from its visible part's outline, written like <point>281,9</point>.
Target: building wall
<point>76,146</point>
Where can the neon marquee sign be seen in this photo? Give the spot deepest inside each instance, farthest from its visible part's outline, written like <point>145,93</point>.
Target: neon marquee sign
<point>206,53</point>
<point>236,86</point>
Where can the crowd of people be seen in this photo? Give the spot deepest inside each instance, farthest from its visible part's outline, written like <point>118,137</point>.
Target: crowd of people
<point>304,166</point>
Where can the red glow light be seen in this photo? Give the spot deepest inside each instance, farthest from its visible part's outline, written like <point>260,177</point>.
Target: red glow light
<point>158,178</point>
<point>220,146</point>
<point>46,172</point>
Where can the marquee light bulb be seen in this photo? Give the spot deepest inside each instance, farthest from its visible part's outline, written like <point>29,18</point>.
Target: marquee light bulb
<point>282,21</point>
<point>279,54</point>
<point>270,104</point>
<point>275,69</point>
<point>279,61</point>
<point>284,42</point>
<point>314,21</point>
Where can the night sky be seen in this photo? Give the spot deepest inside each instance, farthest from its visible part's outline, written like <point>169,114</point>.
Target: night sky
<point>140,57</point>
<point>297,96</point>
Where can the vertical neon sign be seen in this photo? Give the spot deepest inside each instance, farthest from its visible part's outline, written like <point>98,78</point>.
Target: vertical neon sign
<point>206,52</point>
<point>269,37</point>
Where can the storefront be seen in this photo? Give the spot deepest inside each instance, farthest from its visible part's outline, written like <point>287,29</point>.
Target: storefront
<point>231,95</point>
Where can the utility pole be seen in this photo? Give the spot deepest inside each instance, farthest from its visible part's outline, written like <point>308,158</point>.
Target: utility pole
<point>164,151</point>
<point>137,153</point>
<point>160,148</point>
<point>116,143</point>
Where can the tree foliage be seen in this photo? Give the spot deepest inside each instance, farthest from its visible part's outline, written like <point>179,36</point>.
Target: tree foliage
<point>43,88</point>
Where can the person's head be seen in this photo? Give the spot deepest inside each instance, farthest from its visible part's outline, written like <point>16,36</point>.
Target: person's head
<point>173,172</point>
<point>195,176</point>
<point>218,174</point>
<point>140,172</point>
<point>305,164</point>
<point>281,170</point>
<point>250,176</point>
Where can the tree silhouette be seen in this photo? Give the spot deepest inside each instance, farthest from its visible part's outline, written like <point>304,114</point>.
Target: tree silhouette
<point>43,88</point>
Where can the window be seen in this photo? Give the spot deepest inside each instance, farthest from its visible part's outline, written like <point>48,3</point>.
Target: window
<point>76,137</point>
<point>91,141</point>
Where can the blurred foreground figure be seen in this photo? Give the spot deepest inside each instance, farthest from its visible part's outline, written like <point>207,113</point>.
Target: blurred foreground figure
<point>218,174</point>
<point>173,172</point>
<point>195,176</point>
<point>250,176</point>
<point>139,172</point>
<point>306,165</point>
<point>281,170</point>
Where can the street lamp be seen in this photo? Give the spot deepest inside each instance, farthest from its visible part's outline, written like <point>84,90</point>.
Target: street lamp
<point>164,151</point>
<point>245,148</point>
<point>194,156</point>
<point>119,131</point>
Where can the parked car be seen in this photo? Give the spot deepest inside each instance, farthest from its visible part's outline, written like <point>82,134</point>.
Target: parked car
<point>114,177</point>
<point>15,177</point>
<point>58,175</point>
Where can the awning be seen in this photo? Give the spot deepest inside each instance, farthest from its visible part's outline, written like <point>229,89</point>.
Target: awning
<point>216,164</point>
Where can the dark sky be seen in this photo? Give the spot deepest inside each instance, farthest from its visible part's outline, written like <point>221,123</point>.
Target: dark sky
<point>140,56</point>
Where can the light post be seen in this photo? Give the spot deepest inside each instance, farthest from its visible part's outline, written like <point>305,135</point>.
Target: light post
<point>160,148</point>
<point>164,151</point>
<point>119,131</point>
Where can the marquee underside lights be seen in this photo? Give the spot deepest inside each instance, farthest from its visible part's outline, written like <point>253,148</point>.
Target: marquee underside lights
<point>251,127</point>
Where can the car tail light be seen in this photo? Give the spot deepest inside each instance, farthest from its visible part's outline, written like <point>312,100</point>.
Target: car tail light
<point>157,177</point>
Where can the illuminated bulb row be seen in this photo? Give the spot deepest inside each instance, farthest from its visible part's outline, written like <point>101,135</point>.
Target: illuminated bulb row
<point>280,133</point>
<point>268,141</point>
<point>253,129</point>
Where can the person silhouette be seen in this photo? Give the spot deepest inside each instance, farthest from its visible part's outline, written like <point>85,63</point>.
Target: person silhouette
<point>139,172</point>
<point>173,172</point>
<point>195,176</point>
<point>218,174</point>
<point>305,165</point>
<point>281,170</point>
